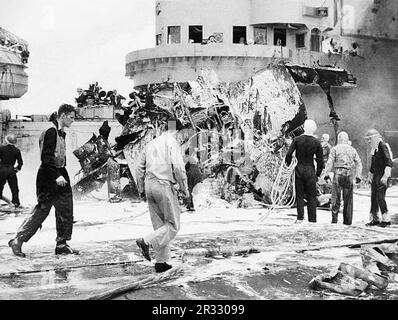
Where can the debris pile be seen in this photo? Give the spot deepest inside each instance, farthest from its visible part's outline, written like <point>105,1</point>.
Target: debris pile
<point>93,156</point>
<point>229,127</point>
<point>100,164</point>
<point>238,131</point>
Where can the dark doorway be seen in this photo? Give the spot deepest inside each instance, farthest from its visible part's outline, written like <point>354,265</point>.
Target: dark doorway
<point>316,40</point>
<point>279,37</point>
<point>195,34</point>
<point>300,40</point>
<point>159,39</point>
<point>239,35</point>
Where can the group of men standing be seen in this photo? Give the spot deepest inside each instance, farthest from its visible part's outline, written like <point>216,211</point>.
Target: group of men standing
<point>344,162</point>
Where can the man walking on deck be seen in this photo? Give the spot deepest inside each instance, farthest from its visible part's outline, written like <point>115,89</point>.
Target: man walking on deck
<point>52,187</point>
<point>161,166</point>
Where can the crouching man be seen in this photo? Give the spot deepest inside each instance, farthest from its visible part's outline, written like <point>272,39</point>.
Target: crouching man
<point>346,165</point>
<point>161,166</point>
<point>52,187</point>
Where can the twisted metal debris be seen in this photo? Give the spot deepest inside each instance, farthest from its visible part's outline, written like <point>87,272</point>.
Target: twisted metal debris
<point>239,131</point>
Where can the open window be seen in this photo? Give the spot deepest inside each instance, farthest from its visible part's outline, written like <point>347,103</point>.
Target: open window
<point>159,39</point>
<point>279,37</point>
<point>195,34</point>
<point>239,35</point>
<point>173,34</point>
<point>316,40</point>
<point>260,34</point>
<point>300,40</point>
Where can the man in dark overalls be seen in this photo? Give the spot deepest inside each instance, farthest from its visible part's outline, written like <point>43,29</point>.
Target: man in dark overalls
<point>194,176</point>
<point>380,172</point>
<point>52,187</point>
<point>306,146</point>
<point>9,155</point>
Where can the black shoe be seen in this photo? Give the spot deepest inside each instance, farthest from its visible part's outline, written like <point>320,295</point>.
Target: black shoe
<point>372,223</point>
<point>162,267</point>
<point>115,199</point>
<point>384,224</point>
<point>16,246</point>
<point>144,248</point>
<point>65,249</point>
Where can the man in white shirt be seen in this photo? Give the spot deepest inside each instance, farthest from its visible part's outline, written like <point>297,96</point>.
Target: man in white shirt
<point>160,167</point>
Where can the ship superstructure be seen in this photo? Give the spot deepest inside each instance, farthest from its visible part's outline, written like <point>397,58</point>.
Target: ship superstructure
<point>233,37</point>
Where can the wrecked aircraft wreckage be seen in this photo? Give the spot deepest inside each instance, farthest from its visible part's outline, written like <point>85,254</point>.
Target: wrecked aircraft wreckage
<point>239,132</point>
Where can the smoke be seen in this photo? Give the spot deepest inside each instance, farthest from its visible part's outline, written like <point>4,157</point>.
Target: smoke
<point>373,104</point>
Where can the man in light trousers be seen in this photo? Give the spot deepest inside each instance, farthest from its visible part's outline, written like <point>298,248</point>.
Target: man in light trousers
<point>160,167</point>
<point>346,165</point>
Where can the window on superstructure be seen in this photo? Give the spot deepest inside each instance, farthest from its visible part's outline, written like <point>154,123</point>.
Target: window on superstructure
<point>260,35</point>
<point>195,34</point>
<point>159,39</point>
<point>174,34</point>
<point>316,40</point>
<point>300,40</point>
<point>279,37</point>
<point>239,35</point>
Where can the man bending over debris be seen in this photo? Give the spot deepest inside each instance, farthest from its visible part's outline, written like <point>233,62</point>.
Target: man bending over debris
<point>306,146</point>
<point>346,164</point>
<point>161,165</point>
<point>380,171</point>
<point>52,187</point>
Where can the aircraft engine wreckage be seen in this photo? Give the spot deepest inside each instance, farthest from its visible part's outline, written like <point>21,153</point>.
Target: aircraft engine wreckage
<point>239,132</point>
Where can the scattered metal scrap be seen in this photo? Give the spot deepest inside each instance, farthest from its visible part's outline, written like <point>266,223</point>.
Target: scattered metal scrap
<point>380,265</point>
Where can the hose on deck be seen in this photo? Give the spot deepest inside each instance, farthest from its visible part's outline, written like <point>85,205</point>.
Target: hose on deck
<point>284,180</point>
